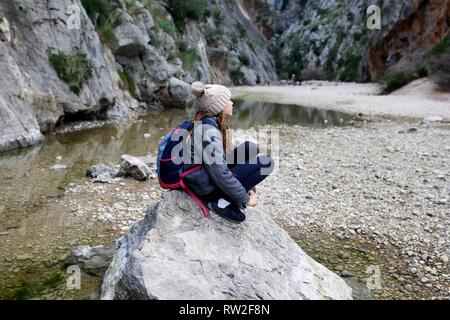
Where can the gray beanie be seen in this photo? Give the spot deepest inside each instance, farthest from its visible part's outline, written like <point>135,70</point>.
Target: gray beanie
<point>212,98</point>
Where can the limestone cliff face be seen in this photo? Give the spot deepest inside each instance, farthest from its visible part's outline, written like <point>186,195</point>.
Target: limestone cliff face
<point>123,55</point>
<point>418,26</point>
<point>32,96</point>
<point>230,48</point>
<point>331,39</point>
<point>127,54</point>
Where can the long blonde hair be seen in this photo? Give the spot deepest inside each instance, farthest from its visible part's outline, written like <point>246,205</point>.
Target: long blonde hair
<point>222,123</point>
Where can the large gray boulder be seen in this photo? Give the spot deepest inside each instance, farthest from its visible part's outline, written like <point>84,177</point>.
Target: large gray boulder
<point>177,94</point>
<point>176,253</point>
<point>131,41</point>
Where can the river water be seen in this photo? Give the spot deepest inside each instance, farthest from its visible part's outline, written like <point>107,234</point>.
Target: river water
<point>35,238</point>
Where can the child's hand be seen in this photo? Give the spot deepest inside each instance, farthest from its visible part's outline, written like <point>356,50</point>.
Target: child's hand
<point>254,197</point>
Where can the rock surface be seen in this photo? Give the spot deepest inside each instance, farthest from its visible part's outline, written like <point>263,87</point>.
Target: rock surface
<point>92,260</point>
<point>32,96</point>
<point>331,38</point>
<point>136,168</point>
<point>175,253</point>
<point>99,169</point>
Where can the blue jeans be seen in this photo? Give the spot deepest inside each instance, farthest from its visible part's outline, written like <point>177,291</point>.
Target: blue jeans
<point>247,166</point>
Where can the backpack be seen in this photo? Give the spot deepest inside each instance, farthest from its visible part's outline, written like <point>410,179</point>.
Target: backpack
<point>170,172</point>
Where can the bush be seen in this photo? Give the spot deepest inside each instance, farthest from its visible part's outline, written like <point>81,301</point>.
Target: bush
<point>242,31</point>
<point>192,9</point>
<point>74,69</point>
<point>396,80</point>
<point>314,74</point>
<point>167,26</point>
<point>244,60</point>
<point>104,19</point>
<point>237,77</point>
<point>442,69</point>
<point>423,71</point>
<point>212,35</point>
<point>442,47</point>
<point>217,14</point>
<point>189,57</point>
<point>128,82</point>
<point>350,71</point>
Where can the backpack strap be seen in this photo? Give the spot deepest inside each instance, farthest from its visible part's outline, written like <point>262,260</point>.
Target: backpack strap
<point>211,121</point>
<point>189,191</point>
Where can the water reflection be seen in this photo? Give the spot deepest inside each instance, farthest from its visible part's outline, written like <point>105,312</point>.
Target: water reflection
<point>247,114</point>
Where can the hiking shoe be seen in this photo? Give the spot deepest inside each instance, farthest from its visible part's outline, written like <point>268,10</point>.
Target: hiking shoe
<point>230,212</point>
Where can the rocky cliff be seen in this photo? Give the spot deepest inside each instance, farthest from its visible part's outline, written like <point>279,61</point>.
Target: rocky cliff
<point>65,60</point>
<point>175,253</point>
<point>330,39</point>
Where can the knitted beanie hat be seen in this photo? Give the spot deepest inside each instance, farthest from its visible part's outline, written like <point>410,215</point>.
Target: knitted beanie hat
<point>212,98</point>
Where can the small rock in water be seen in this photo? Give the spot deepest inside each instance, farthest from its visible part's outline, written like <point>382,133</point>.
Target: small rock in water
<point>99,169</point>
<point>59,167</point>
<point>147,135</point>
<point>104,177</point>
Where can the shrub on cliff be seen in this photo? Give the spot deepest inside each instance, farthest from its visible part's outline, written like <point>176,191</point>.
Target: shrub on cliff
<point>439,62</point>
<point>128,82</point>
<point>396,80</point>
<point>167,26</point>
<point>442,69</point>
<point>181,9</point>
<point>75,68</point>
<point>104,19</point>
<point>190,58</point>
<point>442,47</point>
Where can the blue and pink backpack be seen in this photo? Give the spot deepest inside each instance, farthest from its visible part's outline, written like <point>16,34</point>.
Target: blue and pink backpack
<point>169,168</point>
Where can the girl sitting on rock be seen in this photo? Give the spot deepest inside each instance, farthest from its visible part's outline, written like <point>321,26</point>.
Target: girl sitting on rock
<point>226,181</point>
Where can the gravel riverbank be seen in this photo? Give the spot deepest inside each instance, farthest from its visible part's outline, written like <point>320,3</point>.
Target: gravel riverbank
<point>380,187</point>
<point>416,100</point>
<point>384,183</point>
<point>375,193</point>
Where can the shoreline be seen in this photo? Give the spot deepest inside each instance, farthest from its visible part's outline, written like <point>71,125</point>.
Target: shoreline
<point>417,100</point>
